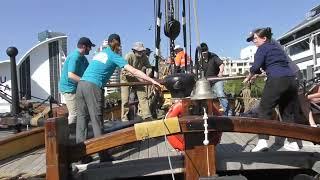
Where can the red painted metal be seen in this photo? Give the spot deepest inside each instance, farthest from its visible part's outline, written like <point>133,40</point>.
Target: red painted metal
<point>177,141</point>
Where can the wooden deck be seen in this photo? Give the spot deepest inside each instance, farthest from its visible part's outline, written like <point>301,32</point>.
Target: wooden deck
<point>149,157</point>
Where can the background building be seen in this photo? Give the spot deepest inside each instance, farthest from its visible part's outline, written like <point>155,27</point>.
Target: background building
<point>5,80</point>
<point>115,78</point>
<point>234,67</point>
<point>302,43</point>
<point>38,69</point>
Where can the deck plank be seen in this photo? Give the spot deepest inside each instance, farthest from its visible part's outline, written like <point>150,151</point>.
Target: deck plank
<point>227,143</point>
<point>144,149</point>
<point>131,149</point>
<point>42,163</point>
<point>165,149</point>
<point>154,150</point>
<point>24,164</point>
<point>135,154</point>
<point>238,143</point>
<point>21,165</point>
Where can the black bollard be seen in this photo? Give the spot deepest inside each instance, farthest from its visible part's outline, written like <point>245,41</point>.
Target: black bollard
<point>12,53</point>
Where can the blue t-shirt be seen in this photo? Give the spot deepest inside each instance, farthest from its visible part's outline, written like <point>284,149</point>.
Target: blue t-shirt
<point>271,58</point>
<point>75,63</point>
<point>102,67</point>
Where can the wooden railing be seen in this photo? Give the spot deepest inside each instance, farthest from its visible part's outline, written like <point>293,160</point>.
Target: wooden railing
<point>21,142</point>
<point>213,78</point>
<point>60,154</point>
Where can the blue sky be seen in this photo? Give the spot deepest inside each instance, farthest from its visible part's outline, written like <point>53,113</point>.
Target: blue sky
<point>223,24</point>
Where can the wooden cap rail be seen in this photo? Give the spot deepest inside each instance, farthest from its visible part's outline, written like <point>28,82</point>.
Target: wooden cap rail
<point>191,124</point>
<point>162,81</point>
<point>21,142</point>
<point>60,154</point>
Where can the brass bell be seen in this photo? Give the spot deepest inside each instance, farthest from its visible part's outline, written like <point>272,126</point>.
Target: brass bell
<point>202,90</point>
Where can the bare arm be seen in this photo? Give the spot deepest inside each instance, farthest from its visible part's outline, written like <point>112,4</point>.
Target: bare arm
<point>314,97</point>
<point>73,76</point>
<point>248,78</point>
<point>221,67</point>
<point>139,74</point>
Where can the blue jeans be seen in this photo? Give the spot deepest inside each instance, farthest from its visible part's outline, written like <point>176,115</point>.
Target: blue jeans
<point>218,91</point>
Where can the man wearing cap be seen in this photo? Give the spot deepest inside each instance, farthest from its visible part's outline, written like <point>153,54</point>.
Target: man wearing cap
<point>139,60</point>
<point>73,69</point>
<point>89,91</point>
<point>213,66</point>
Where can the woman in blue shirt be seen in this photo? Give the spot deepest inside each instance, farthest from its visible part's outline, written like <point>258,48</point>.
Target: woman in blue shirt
<point>280,88</point>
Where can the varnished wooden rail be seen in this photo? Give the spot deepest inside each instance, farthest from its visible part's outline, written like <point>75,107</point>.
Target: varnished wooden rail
<point>190,124</point>
<point>21,142</point>
<point>110,140</point>
<point>162,81</point>
<point>133,84</point>
<point>26,140</point>
<point>60,154</point>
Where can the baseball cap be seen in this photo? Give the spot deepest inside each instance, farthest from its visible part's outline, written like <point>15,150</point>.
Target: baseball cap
<point>204,47</point>
<point>250,36</point>
<point>86,41</point>
<point>114,36</point>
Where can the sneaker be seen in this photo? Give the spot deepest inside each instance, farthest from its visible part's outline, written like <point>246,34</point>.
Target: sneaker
<point>293,146</point>
<point>262,145</point>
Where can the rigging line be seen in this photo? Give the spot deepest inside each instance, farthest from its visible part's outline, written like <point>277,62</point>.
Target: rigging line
<point>166,144</point>
<point>154,17</point>
<point>176,8</point>
<point>166,20</point>
<point>206,141</point>
<point>5,93</point>
<point>189,21</point>
<point>184,34</point>
<point>196,22</point>
<point>208,164</point>
<point>21,93</point>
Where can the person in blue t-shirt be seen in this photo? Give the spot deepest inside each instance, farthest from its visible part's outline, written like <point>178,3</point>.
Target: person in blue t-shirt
<point>73,69</point>
<point>89,92</point>
<point>281,86</point>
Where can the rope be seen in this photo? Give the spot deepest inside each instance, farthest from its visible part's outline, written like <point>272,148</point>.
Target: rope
<point>206,141</point>
<point>208,164</point>
<point>21,93</point>
<point>48,99</point>
<point>189,24</point>
<point>196,22</point>
<point>166,144</point>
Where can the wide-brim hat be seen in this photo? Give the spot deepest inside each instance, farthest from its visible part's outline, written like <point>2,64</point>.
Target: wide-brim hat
<point>138,46</point>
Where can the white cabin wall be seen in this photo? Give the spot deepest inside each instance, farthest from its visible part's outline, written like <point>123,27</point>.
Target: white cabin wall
<point>5,74</point>
<point>39,71</point>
